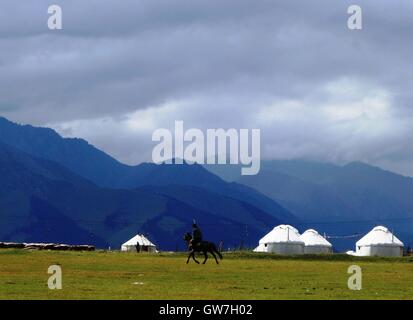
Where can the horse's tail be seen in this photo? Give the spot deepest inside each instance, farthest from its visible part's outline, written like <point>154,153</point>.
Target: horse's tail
<point>217,251</point>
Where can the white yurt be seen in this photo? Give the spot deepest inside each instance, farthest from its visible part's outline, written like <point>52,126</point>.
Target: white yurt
<point>139,243</point>
<point>283,239</point>
<point>379,242</point>
<point>314,243</point>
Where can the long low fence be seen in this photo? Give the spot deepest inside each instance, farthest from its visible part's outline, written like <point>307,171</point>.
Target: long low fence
<point>46,246</point>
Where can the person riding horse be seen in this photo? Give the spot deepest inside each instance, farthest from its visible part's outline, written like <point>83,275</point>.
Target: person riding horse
<point>196,235</point>
<point>197,244</point>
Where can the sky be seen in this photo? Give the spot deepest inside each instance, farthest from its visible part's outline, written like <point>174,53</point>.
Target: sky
<point>118,70</point>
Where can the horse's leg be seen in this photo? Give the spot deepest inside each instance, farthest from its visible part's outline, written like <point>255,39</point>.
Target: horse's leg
<point>217,252</point>
<point>193,257</point>
<point>206,257</point>
<point>192,254</point>
<point>213,254</point>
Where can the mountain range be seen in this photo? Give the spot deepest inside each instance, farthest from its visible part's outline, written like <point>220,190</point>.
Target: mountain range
<point>57,189</point>
<point>63,190</point>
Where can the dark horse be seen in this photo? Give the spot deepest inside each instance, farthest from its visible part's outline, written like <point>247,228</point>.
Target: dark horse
<point>204,247</point>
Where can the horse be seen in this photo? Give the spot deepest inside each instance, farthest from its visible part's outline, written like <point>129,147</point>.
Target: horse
<point>204,247</point>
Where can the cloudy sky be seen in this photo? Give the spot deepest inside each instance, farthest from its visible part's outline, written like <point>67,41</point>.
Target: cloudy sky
<point>121,69</point>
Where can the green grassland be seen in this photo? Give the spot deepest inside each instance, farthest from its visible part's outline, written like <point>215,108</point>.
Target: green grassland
<point>117,275</point>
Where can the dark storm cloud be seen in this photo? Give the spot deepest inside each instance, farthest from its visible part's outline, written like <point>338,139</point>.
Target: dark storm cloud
<point>291,68</point>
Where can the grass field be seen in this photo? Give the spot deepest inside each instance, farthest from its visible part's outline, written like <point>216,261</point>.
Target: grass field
<point>116,275</point>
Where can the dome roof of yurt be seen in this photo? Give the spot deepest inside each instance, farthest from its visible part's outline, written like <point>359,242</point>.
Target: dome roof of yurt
<point>282,234</point>
<point>313,238</point>
<point>379,236</point>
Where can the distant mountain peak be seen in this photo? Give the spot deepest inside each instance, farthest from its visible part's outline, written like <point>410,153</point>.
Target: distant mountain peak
<point>357,164</point>
<point>360,166</point>
<point>74,153</point>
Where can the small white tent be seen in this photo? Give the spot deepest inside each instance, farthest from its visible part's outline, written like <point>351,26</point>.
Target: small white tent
<point>139,242</point>
<point>314,243</point>
<point>379,242</point>
<point>283,239</point>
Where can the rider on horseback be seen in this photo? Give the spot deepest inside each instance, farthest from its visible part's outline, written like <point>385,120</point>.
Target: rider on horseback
<point>196,235</point>
<point>197,244</point>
